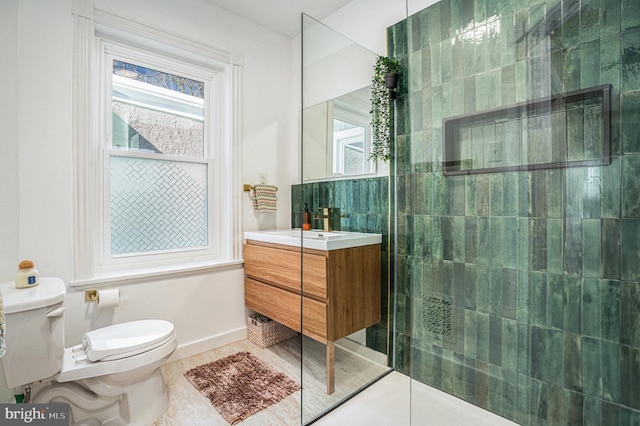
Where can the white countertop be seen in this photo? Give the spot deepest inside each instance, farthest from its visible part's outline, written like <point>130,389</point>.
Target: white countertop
<point>315,238</point>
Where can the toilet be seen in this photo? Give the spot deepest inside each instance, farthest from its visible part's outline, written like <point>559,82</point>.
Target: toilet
<point>112,378</point>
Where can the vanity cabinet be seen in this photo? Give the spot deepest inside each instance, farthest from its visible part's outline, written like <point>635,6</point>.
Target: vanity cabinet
<point>339,293</point>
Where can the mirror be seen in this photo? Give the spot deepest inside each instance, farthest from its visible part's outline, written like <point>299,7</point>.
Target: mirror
<point>335,119</point>
<point>337,137</point>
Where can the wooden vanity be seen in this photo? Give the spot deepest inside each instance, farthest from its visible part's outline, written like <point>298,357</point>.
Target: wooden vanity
<point>340,290</point>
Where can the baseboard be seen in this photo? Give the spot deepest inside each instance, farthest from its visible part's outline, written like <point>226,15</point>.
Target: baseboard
<point>362,351</point>
<point>188,349</point>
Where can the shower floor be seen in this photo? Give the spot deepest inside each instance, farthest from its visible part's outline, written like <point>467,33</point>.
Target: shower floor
<point>398,400</point>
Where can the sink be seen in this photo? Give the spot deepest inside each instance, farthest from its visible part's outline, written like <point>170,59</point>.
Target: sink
<point>321,235</point>
<point>315,238</point>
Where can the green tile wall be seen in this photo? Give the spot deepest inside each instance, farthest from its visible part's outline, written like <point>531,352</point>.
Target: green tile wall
<point>541,269</point>
<point>359,205</point>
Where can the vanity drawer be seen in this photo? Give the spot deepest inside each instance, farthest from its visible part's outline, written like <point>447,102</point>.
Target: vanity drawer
<point>282,267</point>
<point>278,304</point>
<point>284,306</point>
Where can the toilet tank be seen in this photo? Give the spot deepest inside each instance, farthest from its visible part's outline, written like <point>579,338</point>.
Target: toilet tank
<point>34,331</point>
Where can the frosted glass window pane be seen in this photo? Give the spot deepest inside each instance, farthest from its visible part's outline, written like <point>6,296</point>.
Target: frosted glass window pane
<point>157,205</point>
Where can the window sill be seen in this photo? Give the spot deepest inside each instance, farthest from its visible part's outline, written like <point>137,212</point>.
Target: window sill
<point>140,275</point>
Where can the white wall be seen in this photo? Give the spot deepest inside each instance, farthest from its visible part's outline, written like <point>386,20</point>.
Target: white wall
<point>9,189</point>
<point>366,21</point>
<point>36,158</point>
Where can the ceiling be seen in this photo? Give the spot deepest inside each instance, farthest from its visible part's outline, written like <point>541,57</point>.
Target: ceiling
<point>281,16</point>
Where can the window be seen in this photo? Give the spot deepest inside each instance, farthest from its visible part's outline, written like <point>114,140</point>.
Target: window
<point>158,161</point>
<point>349,143</point>
<point>156,171</point>
<point>351,140</point>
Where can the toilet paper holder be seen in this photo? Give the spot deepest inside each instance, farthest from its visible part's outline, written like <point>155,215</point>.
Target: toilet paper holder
<point>109,298</point>
<point>91,295</point>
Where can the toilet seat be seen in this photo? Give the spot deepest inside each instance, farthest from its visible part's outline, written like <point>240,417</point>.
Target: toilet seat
<point>74,368</point>
<point>118,348</point>
<point>125,339</point>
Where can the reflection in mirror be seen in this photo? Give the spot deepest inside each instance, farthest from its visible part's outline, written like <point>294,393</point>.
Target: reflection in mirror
<point>352,134</point>
<point>337,137</point>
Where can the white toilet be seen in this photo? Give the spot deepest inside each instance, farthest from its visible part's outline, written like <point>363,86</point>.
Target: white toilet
<point>112,378</point>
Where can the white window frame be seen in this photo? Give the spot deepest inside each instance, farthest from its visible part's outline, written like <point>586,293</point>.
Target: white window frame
<point>99,37</point>
<point>347,113</point>
<point>212,141</point>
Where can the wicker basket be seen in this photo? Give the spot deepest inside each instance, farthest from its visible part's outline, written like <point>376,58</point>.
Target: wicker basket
<point>264,332</point>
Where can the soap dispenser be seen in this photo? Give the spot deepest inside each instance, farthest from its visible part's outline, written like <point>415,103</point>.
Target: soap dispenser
<point>306,218</point>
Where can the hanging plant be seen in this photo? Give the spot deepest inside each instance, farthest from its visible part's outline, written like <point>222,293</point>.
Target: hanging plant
<point>384,82</point>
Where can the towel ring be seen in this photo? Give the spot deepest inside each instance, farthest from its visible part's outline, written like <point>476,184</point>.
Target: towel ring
<point>248,187</point>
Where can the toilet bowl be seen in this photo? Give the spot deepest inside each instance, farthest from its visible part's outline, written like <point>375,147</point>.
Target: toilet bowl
<point>113,377</point>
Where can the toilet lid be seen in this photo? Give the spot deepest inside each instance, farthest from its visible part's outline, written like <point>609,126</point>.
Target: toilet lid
<point>120,340</point>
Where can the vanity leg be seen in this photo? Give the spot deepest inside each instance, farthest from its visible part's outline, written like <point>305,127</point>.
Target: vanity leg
<point>330,367</point>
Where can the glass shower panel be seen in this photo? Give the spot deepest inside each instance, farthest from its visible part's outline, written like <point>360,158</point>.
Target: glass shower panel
<point>521,265</point>
<point>345,296</point>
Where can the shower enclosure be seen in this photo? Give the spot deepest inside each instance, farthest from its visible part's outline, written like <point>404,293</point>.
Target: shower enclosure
<point>336,174</point>
<point>511,213</point>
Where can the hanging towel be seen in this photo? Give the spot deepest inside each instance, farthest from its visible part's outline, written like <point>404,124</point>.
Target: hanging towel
<point>3,345</point>
<point>264,198</point>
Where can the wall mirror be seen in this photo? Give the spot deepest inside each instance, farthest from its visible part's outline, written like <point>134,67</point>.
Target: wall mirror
<point>335,118</point>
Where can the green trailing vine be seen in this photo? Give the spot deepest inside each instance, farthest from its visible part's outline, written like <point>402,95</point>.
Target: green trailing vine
<point>382,139</point>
